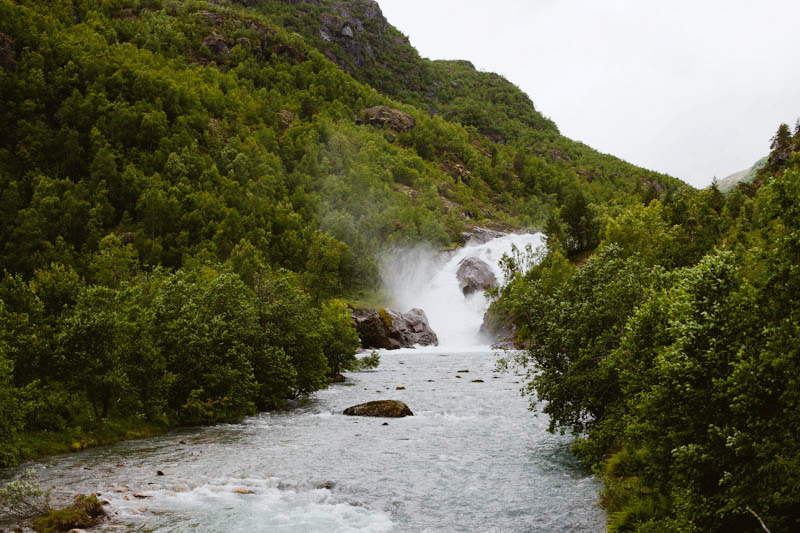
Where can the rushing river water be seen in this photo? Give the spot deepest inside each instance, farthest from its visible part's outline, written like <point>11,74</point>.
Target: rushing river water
<point>473,458</point>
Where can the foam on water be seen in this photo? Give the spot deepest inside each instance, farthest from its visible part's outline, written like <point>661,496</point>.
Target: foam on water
<point>248,505</point>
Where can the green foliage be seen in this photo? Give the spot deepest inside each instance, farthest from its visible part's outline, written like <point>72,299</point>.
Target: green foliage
<point>339,336</point>
<point>292,325</point>
<point>573,321</point>
<point>367,362</point>
<point>643,230</point>
<point>24,498</point>
<point>12,415</point>
<point>672,353</point>
<point>83,513</point>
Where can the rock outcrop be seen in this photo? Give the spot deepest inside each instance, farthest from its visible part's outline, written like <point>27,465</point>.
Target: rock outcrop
<point>391,330</point>
<point>498,332</point>
<point>480,235</point>
<point>382,408</point>
<point>7,60</point>
<point>475,275</point>
<point>387,116</point>
<point>217,45</point>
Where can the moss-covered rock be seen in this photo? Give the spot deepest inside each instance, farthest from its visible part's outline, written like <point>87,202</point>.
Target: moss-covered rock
<point>390,329</point>
<point>381,408</point>
<point>84,512</point>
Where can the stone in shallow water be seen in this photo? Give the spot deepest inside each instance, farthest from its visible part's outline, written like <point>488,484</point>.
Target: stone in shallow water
<point>382,408</point>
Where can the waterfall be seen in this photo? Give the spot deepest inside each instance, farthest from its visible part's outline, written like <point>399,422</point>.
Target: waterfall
<point>426,279</point>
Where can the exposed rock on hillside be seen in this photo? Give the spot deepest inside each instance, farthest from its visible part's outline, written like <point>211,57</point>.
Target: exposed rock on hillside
<point>475,275</point>
<point>480,235</point>
<point>7,60</point>
<point>386,116</point>
<point>353,26</point>
<point>382,408</point>
<point>217,45</point>
<point>391,330</point>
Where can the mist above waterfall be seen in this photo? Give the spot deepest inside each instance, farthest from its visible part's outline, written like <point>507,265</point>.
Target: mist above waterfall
<point>425,278</point>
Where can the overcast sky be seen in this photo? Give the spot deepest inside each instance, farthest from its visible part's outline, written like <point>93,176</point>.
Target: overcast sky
<point>695,89</point>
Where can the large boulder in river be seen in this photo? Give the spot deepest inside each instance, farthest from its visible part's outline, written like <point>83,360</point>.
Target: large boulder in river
<point>475,275</point>
<point>383,408</point>
<point>391,330</point>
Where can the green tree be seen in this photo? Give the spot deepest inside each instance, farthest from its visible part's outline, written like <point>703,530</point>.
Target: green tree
<point>292,323</point>
<point>11,413</point>
<point>572,325</point>
<point>208,331</point>
<point>339,337</point>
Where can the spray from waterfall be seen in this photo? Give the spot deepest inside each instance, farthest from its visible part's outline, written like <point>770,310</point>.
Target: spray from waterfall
<point>424,278</point>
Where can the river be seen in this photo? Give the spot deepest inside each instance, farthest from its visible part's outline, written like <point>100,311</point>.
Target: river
<point>473,458</point>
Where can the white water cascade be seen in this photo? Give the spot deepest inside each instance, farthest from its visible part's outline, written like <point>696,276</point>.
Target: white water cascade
<point>426,279</point>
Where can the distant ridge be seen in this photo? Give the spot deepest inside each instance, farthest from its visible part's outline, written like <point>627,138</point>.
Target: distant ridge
<point>747,175</point>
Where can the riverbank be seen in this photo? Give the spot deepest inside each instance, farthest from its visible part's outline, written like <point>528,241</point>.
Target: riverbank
<point>38,444</point>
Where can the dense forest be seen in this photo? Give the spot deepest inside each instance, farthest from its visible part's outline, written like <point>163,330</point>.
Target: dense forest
<point>194,192</point>
<point>672,354</point>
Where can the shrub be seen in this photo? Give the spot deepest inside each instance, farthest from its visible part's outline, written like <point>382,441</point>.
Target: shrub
<point>82,514</point>
<point>24,497</point>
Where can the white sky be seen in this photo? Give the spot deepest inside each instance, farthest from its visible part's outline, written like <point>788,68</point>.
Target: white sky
<point>695,89</point>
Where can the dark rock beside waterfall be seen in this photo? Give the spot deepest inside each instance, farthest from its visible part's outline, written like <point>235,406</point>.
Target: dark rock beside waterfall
<point>391,330</point>
<point>498,331</point>
<point>475,275</point>
<point>480,235</point>
<point>381,408</point>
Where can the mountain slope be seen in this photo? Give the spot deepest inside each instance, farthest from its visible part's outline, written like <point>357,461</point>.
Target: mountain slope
<point>743,176</point>
<point>356,36</point>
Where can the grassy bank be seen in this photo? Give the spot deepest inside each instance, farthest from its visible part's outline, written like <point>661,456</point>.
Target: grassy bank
<point>43,443</point>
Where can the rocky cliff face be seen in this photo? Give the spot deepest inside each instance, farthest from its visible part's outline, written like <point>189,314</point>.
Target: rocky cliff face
<point>353,25</point>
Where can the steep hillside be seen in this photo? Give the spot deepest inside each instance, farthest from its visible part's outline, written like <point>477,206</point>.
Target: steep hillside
<point>192,126</point>
<point>355,35</point>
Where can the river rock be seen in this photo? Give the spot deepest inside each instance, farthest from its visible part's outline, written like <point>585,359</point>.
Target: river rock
<point>382,408</point>
<point>475,275</point>
<point>387,116</point>
<point>391,330</point>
